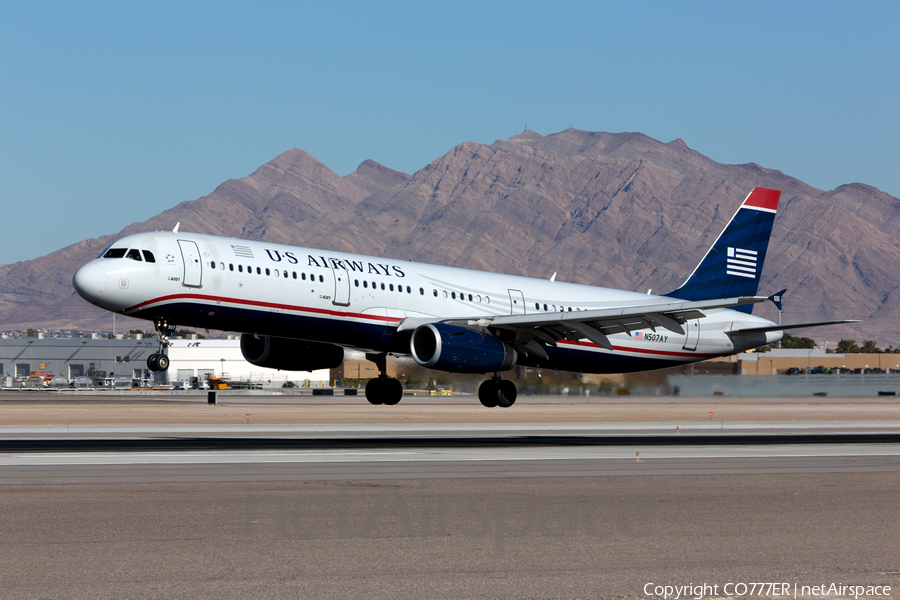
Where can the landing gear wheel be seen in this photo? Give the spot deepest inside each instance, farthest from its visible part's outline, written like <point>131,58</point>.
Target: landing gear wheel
<point>487,393</point>
<point>373,391</point>
<point>392,391</point>
<point>384,390</point>
<point>158,361</point>
<point>506,394</point>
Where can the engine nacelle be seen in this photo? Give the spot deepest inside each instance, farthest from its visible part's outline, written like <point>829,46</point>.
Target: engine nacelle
<point>290,355</point>
<point>460,349</point>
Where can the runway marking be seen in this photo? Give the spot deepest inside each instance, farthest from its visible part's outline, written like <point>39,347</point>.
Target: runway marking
<point>433,455</point>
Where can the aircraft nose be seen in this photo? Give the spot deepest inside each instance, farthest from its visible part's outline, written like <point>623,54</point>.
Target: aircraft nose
<point>89,281</point>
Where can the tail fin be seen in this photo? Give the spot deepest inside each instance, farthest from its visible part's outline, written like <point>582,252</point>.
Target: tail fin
<point>733,264</point>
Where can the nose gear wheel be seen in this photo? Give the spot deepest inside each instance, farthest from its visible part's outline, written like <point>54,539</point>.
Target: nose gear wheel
<point>159,361</point>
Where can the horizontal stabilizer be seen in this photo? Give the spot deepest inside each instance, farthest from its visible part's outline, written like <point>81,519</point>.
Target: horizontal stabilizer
<point>791,326</point>
<point>777,298</point>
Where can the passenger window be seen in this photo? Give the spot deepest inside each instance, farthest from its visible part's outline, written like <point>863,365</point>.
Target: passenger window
<point>321,279</point>
<point>408,290</point>
<point>294,273</point>
<point>277,273</point>
<point>453,295</point>
<point>285,274</point>
<point>231,266</point>
<point>392,287</point>
<point>382,286</point>
<point>148,256</point>
<point>478,297</point>
<point>365,284</point>
<point>537,306</point>
<point>545,308</point>
<point>487,299</point>
<point>470,297</point>
<point>445,293</point>
<point>435,293</point>
<point>421,291</point>
<point>303,276</point>
<point>570,309</point>
<point>267,271</point>
<point>240,268</point>
<point>115,253</point>
<point>134,254</point>
<point>356,282</point>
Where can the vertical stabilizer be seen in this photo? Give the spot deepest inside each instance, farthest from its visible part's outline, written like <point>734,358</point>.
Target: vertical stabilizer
<point>733,264</point>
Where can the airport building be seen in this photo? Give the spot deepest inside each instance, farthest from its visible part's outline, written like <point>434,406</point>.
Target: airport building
<point>122,362</point>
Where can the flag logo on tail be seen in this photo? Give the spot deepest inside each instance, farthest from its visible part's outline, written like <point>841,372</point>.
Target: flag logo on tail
<point>741,262</point>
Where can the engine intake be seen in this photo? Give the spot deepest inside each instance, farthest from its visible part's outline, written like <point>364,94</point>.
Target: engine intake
<point>460,349</point>
<point>290,355</point>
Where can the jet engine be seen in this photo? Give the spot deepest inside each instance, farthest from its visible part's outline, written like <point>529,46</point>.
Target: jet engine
<point>460,349</point>
<point>290,355</point>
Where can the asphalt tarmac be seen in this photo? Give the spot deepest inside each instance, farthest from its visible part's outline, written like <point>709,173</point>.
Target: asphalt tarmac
<point>504,510</point>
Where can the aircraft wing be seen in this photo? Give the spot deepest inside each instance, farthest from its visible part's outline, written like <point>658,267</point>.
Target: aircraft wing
<point>533,331</point>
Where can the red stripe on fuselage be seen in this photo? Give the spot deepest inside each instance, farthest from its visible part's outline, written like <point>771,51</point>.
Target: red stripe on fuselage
<point>387,319</point>
<point>260,304</point>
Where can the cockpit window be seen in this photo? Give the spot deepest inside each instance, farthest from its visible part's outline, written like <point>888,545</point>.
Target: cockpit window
<point>134,254</point>
<point>148,256</point>
<point>115,253</point>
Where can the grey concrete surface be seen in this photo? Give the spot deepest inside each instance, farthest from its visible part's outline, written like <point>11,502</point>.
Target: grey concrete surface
<point>466,522</point>
<point>537,537</point>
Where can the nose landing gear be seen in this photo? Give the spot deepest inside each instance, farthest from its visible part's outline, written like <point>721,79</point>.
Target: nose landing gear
<point>497,392</point>
<point>159,361</point>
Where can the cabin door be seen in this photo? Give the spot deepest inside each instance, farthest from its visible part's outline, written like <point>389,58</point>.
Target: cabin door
<point>516,302</point>
<point>692,334</point>
<point>341,286</point>
<point>193,267</point>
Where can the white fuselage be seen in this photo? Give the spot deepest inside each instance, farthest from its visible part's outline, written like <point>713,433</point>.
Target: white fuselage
<point>359,301</point>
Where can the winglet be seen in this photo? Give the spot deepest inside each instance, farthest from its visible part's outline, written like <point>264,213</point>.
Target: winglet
<point>776,298</point>
<point>176,227</point>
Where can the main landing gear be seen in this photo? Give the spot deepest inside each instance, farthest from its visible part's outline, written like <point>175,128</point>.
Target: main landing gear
<point>159,361</point>
<point>497,392</point>
<point>383,389</point>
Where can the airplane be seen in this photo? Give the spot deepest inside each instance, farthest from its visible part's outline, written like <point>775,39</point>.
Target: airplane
<point>298,308</point>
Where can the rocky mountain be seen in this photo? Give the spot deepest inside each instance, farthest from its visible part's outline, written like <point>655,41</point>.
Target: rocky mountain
<point>618,210</point>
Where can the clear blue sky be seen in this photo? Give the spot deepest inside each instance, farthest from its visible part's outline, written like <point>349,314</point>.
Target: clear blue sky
<point>111,112</point>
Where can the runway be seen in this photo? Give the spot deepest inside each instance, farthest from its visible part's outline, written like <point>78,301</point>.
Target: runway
<point>440,510</point>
